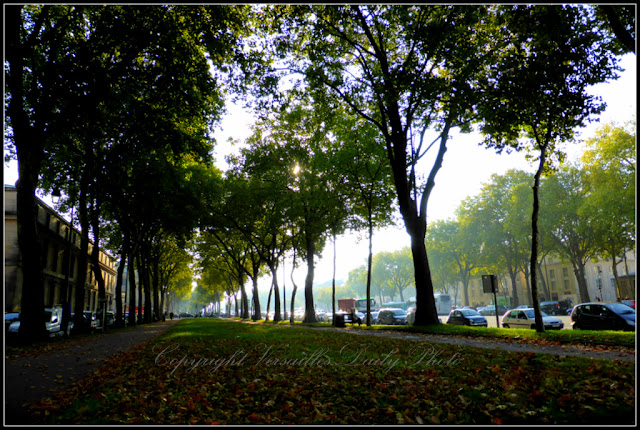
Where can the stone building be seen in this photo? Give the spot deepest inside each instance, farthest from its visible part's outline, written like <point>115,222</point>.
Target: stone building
<point>560,283</point>
<point>60,241</point>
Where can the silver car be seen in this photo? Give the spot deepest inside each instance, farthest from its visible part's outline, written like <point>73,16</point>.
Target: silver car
<point>525,318</point>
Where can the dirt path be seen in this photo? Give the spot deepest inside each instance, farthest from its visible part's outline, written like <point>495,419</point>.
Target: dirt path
<point>54,368</point>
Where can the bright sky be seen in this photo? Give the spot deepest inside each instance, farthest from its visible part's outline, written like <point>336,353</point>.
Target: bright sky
<point>465,169</point>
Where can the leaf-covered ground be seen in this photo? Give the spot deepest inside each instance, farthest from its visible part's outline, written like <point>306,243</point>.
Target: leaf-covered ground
<point>223,372</point>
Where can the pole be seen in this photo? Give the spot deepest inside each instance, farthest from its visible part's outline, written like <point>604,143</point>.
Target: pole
<point>494,285</point>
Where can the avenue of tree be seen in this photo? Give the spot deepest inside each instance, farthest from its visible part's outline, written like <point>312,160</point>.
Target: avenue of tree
<point>587,213</point>
<point>116,107</point>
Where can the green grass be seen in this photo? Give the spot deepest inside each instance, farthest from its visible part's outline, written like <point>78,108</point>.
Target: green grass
<point>577,337</point>
<point>205,371</point>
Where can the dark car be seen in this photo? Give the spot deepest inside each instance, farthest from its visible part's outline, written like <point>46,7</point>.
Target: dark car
<point>468,317</point>
<point>603,316</point>
<point>392,316</point>
<point>555,307</point>
<point>491,310</point>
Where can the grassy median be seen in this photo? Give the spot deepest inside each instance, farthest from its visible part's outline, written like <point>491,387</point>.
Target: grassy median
<point>205,371</point>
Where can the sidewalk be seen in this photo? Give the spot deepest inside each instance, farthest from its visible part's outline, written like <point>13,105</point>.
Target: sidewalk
<point>35,376</point>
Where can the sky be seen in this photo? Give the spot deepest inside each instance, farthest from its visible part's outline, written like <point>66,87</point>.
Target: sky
<point>465,169</point>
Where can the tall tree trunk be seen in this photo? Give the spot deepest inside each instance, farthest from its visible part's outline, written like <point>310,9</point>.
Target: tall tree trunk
<point>257,312</point>
<point>277,312</point>
<point>119,279</point>
<point>309,311</point>
<point>534,243</point>
<point>369,267</point>
<point>95,260</point>
<point>295,289</point>
<point>79,305</point>
<point>29,148</point>
<point>132,287</point>
<point>415,217</point>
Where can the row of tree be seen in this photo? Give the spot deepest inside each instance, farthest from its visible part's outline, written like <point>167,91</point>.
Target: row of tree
<point>116,106</point>
<point>587,213</point>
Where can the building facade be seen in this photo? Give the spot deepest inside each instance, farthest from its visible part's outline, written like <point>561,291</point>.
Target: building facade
<point>61,248</point>
<point>559,283</point>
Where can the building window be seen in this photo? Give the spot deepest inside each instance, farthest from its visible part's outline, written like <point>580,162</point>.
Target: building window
<point>565,272</point>
<point>552,274</point>
<point>553,285</point>
<point>566,284</point>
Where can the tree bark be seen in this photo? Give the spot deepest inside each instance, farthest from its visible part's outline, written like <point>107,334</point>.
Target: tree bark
<point>29,148</point>
<point>534,244</point>
<point>309,311</point>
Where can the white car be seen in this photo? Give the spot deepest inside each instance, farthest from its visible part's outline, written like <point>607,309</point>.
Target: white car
<point>53,323</point>
<point>525,318</point>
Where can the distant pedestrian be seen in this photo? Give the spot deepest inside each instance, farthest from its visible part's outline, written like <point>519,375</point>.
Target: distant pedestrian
<point>171,315</point>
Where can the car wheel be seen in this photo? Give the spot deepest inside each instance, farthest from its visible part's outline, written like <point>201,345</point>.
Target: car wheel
<point>505,325</point>
<point>576,327</point>
<point>533,326</point>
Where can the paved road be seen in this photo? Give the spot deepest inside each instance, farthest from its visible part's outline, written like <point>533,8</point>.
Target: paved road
<point>35,376</point>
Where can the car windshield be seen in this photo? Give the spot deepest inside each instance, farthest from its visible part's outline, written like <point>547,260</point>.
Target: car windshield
<point>621,309</point>
<point>469,312</point>
<point>399,312</point>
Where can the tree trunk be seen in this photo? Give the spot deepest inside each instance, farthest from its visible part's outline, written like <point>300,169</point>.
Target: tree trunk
<point>277,312</point>
<point>132,288</point>
<point>257,313</point>
<point>295,289</point>
<point>29,148</point>
<point>309,311</point>
<point>534,243</point>
<point>119,279</point>
<point>79,306</point>
<point>95,260</point>
<point>579,271</point>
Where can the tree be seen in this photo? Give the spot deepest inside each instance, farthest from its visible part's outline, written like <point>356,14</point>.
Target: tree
<point>406,70</point>
<point>367,179</point>
<point>538,89</point>
<point>457,248</point>
<point>610,168</point>
<point>574,234</point>
<point>77,76</point>
<point>620,20</point>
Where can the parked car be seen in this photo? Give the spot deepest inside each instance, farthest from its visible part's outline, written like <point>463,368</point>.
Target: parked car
<point>110,319</point>
<point>603,316</point>
<point>630,303</point>
<point>555,307</point>
<point>523,307</point>
<point>468,317</point>
<point>392,316</point>
<point>469,307</point>
<point>53,323</point>
<point>491,310</point>
<point>10,317</point>
<point>525,318</point>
